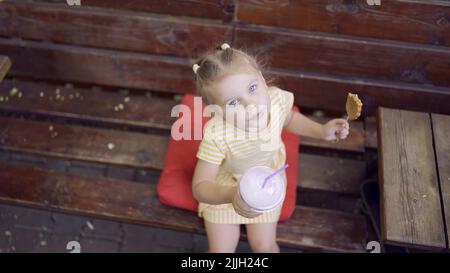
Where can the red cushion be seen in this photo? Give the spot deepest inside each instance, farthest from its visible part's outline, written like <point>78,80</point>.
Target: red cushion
<point>175,183</point>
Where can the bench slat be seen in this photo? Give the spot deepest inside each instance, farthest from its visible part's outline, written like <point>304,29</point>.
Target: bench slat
<point>99,66</point>
<point>85,26</point>
<point>5,64</point>
<point>348,56</point>
<point>137,203</point>
<point>441,131</point>
<point>410,201</point>
<point>83,143</point>
<point>329,230</point>
<point>330,174</point>
<point>328,91</point>
<point>409,21</point>
<point>214,9</point>
<point>86,104</point>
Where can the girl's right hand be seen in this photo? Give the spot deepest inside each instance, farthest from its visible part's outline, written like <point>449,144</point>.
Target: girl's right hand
<point>335,129</point>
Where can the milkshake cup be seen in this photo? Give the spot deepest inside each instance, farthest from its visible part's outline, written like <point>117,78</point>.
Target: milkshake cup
<point>253,198</point>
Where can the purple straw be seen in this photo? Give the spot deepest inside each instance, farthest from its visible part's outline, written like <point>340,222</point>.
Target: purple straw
<point>275,173</point>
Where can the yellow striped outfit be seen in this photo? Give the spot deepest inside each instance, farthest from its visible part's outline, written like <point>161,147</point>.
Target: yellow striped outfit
<point>236,150</point>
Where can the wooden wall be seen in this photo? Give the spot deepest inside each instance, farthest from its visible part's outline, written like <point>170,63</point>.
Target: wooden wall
<point>394,55</point>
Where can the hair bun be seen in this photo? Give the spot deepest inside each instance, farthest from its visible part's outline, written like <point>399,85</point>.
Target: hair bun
<point>195,67</point>
<point>225,46</point>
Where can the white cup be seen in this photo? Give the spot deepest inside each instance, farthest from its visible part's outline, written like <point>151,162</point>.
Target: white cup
<point>255,199</point>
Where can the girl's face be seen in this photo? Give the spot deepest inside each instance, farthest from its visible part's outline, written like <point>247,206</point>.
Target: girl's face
<point>244,100</point>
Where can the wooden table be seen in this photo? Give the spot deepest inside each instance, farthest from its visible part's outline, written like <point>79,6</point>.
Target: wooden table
<point>414,171</point>
<point>5,64</point>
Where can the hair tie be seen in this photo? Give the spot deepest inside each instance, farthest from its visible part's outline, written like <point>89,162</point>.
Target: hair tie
<point>195,67</point>
<point>224,46</point>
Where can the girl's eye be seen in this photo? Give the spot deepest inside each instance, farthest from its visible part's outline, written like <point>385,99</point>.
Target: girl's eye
<point>252,88</point>
<point>233,102</point>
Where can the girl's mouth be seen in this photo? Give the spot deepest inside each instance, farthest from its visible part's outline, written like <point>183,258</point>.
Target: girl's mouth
<point>254,116</point>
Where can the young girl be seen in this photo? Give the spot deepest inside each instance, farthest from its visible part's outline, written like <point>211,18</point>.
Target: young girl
<point>232,80</point>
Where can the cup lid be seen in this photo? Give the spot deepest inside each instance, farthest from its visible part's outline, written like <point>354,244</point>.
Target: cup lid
<point>252,192</point>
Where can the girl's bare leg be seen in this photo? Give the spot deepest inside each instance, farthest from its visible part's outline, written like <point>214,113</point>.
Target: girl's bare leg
<point>263,237</point>
<point>222,238</point>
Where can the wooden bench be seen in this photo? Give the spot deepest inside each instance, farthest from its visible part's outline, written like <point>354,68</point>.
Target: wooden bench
<point>94,48</point>
<point>414,155</point>
<point>141,148</point>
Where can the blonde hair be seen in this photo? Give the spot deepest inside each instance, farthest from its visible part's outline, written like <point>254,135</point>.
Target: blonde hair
<point>219,62</point>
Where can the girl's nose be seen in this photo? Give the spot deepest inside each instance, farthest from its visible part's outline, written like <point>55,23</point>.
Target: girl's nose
<point>250,106</point>
<point>249,102</point>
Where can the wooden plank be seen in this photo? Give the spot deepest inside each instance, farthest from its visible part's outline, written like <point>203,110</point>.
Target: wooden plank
<point>324,173</point>
<point>99,66</point>
<point>370,133</point>
<point>214,9</point>
<point>137,203</point>
<point>441,133</point>
<point>409,21</point>
<point>409,192</point>
<point>330,230</point>
<point>83,143</point>
<point>5,65</point>
<point>347,56</point>
<point>85,104</point>
<point>324,91</point>
<point>156,34</point>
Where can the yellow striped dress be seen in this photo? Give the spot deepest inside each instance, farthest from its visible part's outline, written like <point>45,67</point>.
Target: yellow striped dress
<point>236,150</point>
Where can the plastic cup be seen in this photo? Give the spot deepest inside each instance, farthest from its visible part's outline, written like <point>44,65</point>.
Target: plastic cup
<point>253,198</point>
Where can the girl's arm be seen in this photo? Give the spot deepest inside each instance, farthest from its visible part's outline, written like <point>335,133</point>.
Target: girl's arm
<point>205,189</point>
<point>301,125</point>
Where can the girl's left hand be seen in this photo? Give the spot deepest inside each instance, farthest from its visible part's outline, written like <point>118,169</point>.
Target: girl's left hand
<point>242,208</point>
<point>335,128</point>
